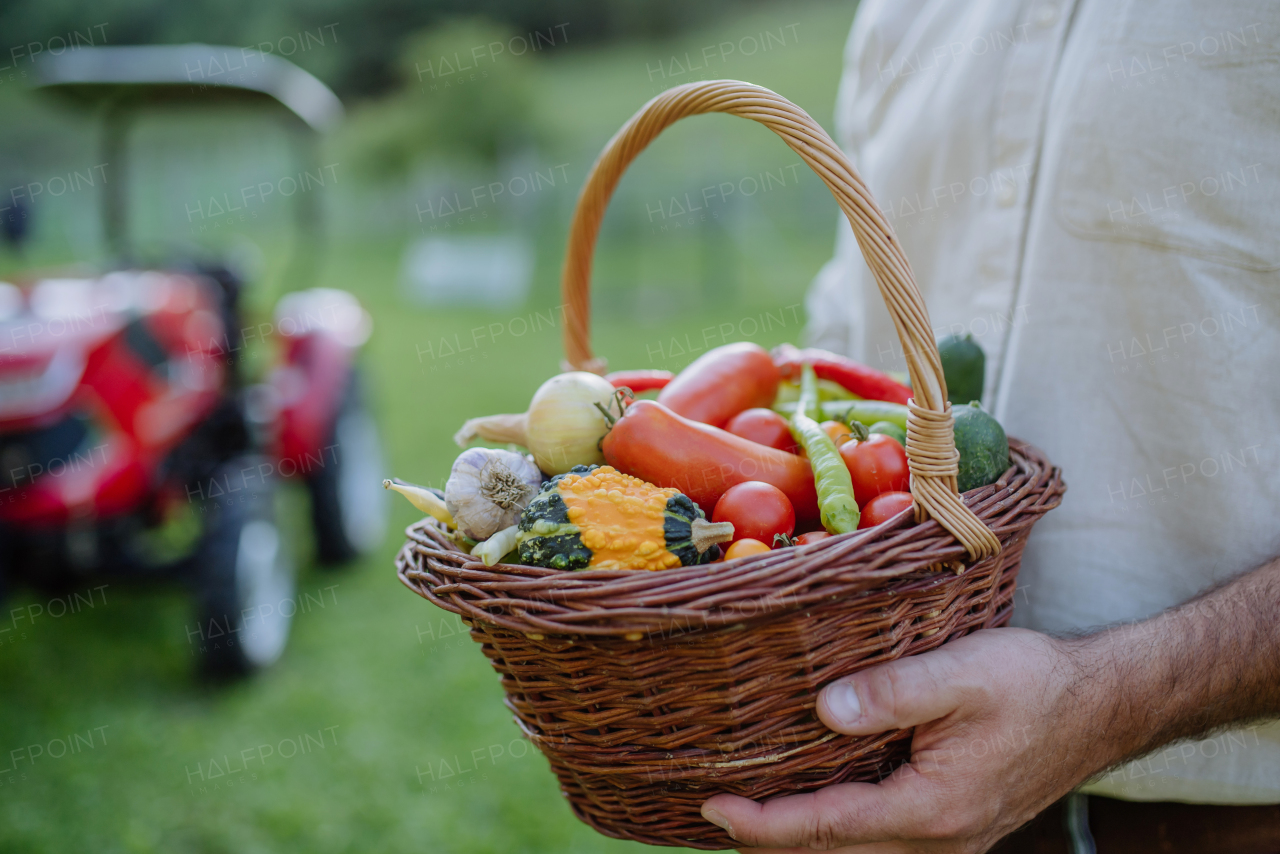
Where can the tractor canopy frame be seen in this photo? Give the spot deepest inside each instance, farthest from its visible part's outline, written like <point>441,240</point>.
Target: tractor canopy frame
<point>119,83</point>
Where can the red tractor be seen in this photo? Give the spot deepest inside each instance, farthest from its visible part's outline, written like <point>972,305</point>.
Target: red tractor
<point>131,444</point>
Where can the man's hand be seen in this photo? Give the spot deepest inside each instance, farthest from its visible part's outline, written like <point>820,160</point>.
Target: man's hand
<point>1008,721</point>
<point>1002,720</point>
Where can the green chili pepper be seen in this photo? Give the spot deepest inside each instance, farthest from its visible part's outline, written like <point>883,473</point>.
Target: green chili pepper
<point>866,411</point>
<point>836,504</point>
<point>810,401</point>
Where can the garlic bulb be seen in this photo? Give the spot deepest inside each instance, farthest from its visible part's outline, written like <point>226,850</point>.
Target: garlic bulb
<point>489,489</point>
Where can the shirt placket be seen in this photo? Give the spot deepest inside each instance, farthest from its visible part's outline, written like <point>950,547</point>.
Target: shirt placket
<point>1018,132</point>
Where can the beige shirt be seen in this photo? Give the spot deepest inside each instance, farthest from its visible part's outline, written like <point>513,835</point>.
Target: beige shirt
<point>1092,189</point>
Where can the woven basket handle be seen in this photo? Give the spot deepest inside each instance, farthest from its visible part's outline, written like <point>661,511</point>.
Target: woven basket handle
<point>931,450</point>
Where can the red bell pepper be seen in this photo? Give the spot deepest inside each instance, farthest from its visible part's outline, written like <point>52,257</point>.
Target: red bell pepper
<point>867,383</point>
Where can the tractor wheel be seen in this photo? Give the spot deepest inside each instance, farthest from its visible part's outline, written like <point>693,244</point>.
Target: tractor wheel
<point>244,571</point>
<point>348,504</point>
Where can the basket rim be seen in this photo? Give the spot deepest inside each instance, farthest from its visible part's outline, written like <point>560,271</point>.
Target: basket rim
<point>543,602</point>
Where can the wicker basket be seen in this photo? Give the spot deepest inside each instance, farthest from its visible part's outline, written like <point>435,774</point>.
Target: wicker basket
<point>650,692</point>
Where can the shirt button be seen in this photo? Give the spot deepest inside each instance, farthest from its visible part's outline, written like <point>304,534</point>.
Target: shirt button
<point>1006,195</point>
<point>1047,15</point>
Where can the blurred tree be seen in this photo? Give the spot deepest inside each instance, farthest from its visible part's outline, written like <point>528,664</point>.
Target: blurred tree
<point>462,95</point>
<point>366,35</point>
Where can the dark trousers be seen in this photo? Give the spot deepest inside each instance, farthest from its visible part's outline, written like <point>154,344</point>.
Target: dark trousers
<point>1087,824</point>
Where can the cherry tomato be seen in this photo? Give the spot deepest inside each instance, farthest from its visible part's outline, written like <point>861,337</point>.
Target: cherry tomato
<point>883,507</point>
<point>811,537</point>
<point>742,548</point>
<point>764,427</point>
<point>876,465</point>
<point>758,511</point>
<point>839,433</point>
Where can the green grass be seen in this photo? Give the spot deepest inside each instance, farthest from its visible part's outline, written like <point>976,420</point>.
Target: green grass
<point>386,686</point>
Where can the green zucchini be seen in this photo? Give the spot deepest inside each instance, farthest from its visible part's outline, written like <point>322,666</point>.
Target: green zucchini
<point>983,446</point>
<point>964,365</point>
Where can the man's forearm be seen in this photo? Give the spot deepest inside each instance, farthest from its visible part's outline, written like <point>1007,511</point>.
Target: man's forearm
<point>1208,663</point>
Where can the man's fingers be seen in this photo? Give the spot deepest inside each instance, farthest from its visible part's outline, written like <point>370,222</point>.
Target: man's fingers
<point>897,695</point>
<point>847,814</point>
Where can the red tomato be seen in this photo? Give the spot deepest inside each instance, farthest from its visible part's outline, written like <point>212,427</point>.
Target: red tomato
<point>883,507</point>
<point>758,511</point>
<point>811,537</point>
<point>876,465</point>
<point>743,548</point>
<point>764,427</point>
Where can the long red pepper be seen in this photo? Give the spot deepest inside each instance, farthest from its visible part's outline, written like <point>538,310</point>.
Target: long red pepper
<point>639,381</point>
<point>853,376</point>
<point>666,449</point>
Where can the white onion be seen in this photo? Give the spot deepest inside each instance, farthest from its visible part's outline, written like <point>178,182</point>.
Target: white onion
<point>563,426</point>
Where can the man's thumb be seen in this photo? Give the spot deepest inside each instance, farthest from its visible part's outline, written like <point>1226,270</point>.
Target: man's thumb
<point>896,695</point>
